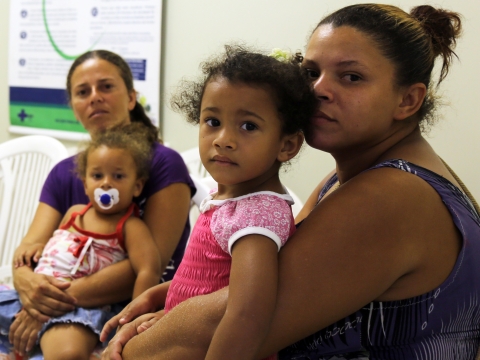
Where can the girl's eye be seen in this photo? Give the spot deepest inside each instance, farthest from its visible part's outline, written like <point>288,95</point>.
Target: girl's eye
<point>312,74</point>
<point>249,126</point>
<point>118,176</point>
<point>97,176</point>
<point>81,93</point>
<point>352,77</point>
<point>212,122</point>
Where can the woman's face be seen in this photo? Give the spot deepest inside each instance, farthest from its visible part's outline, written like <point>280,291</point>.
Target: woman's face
<point>354,84</point>
<point>99,97</point>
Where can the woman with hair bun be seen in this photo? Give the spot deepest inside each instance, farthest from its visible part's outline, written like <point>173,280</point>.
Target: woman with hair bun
<point>385,262</point>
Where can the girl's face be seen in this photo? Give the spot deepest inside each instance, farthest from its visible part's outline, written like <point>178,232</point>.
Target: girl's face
<point>354,84</point>
<point>99,97</point>
<point>112,168</point>
<point>240,133</point>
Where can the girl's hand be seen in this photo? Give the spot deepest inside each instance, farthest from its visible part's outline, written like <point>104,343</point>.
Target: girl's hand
<point>42,296</point>
<point>23,332</point>
<point>27,254</point>
<point>126,333</point>
<point>148,302</point>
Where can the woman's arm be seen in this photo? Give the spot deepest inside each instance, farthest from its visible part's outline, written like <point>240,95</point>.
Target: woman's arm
<point>149,301</point>
<point>143,255</point>
<point>110,285</point>
<point>350,251</point>
<point>184,333</point>
<point>42,296</point>
<point>251,301</point>
<point>166,214</point>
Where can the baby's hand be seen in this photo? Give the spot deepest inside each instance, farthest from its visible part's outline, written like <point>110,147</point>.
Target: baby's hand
<point>27,254</point>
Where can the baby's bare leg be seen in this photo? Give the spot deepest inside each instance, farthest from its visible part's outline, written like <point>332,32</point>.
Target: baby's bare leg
<point>68,341</point>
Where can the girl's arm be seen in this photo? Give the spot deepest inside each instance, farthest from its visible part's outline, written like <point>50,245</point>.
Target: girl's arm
<point>143,255</point>
<point>251,302</point>
<point>166,214</point>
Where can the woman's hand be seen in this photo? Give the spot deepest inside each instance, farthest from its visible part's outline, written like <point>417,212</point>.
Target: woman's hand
<point>42,296</point>
<point>27,254</point>
<point>23,332</point>
<point>127,332</point>
<point>148,302</point>
<point>176,336</point>
<point>150,320</point>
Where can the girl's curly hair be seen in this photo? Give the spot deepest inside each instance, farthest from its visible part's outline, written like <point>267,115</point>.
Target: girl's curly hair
<point>285,80</point>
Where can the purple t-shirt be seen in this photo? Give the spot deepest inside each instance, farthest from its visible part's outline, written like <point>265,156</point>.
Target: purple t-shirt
<point>63,189</point>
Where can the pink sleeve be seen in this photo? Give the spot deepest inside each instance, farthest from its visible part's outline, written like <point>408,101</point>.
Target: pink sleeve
<point>262,214</point>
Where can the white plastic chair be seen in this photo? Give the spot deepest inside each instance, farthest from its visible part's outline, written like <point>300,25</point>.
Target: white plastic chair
<point>191,158</point>
<point>24,165</point>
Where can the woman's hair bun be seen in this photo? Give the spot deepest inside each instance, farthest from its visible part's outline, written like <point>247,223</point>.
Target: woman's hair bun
<point>444,28</point>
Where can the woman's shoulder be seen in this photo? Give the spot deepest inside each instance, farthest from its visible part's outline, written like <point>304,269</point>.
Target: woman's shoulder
<point>67,164</point>
<point>167,167</point>
<point>165,154</point>
<point>63,175</point>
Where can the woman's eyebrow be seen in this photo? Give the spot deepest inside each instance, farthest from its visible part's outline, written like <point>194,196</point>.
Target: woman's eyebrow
<point>346,63</point>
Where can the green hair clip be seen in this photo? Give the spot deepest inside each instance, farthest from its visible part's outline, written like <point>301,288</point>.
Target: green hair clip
<point>281,55</point>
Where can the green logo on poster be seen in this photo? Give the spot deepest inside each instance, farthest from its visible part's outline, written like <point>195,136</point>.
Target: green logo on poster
<point>55,46</point>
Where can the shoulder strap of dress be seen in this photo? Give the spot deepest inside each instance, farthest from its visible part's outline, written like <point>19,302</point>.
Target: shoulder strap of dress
<point>462,186</point>
<point>74,215</point>
<point>132,209</point>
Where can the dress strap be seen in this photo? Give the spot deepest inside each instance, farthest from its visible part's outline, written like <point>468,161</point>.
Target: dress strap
<point>74,215</point>
<point>132,209</point>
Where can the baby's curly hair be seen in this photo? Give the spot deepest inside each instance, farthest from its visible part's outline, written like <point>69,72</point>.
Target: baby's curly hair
<point>286,82</point>
<point>132,137</point>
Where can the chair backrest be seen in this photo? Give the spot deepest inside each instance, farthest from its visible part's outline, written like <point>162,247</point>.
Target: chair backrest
<point>24,165</point>
<point>191,158</point>
<point>203,189</point>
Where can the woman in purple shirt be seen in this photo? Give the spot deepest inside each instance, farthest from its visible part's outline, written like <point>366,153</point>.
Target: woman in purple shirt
<point>101,93</point>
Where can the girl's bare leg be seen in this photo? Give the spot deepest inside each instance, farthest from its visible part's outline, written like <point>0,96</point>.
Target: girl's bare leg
<point>68,341</point>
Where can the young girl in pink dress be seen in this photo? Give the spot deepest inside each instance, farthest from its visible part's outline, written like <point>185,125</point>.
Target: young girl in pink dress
<point>251,109</point>
<point>113,168</point>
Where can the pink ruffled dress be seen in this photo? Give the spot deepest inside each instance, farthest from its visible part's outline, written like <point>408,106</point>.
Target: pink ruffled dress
<point>205,267</point>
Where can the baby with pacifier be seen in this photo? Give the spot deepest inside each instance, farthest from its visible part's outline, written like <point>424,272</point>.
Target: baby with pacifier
<point>113,167</point>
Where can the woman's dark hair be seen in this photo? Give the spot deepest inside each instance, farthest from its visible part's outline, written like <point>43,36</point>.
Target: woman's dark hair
<point>285,80</point>
<point>411,41</point>
<point>130,138</point>
<point>137,114</point>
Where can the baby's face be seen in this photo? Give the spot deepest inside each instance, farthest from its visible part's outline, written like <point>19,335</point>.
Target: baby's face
<point>110,171</point>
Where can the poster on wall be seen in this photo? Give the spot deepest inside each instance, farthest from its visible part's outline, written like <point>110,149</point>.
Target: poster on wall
<point>47,35</point>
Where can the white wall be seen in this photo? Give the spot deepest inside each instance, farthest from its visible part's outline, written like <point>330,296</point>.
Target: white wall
<point>193,29</point>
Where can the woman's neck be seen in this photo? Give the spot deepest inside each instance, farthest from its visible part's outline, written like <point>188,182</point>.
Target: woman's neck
<point>398,145</point>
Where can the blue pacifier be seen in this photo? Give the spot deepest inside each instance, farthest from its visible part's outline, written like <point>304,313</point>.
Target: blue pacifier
<point>106,199</point>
